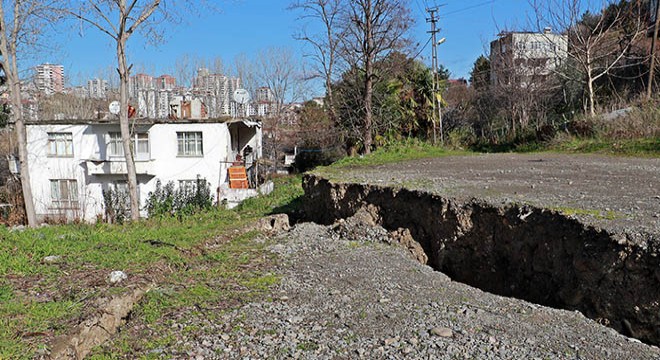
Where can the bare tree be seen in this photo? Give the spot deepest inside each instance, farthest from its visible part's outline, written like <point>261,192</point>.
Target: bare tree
<point>598,43</point>
<point>371,30</point>
<point>21,24</point>
<point>325,43</point>
<point>119,19</point>
<point>244,69</point>
<point>278,70</point>
<point>184,70</point>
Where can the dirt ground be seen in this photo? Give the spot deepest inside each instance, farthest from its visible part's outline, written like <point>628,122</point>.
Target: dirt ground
<point>617,194</point>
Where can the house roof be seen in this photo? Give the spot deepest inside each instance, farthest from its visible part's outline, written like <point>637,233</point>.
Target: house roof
<point>143,121</point>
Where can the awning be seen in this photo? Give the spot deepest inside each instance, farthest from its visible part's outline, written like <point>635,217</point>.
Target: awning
<point>248,123</point>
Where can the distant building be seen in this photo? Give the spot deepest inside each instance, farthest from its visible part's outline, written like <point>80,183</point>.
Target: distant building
<point>264,94</point>
<point>49,78</point>
<point>216,90</point>
<point>525,58</point>
<point>165,82</point>
<point>97,88</point>
<point>140,82</point>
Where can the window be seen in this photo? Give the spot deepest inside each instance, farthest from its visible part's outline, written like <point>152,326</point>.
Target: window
<point>64,193</point>
<point>189,143</point>
<point>140,145</point>
<point>188,186</point>
<point>115,147</point>
<point>60,144</point>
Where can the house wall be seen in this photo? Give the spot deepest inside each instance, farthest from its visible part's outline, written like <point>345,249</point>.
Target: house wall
<point>90,150</point>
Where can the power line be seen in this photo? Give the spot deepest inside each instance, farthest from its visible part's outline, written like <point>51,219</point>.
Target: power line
<point>469,8</point>
<point>422,49</point>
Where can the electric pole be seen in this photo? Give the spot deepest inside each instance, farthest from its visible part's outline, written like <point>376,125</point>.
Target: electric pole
<point>432,19</point>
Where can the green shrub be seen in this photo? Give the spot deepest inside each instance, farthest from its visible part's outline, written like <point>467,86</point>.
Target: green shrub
<point>168,200</point>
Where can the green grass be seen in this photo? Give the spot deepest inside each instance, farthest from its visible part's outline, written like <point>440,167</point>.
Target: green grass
<point>38,300</point>
<point>396,153</point>
<point>647,147</point>
<point>597,214</point>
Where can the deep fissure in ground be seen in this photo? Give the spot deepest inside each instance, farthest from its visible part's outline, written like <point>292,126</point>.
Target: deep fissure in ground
<point>529,253</point>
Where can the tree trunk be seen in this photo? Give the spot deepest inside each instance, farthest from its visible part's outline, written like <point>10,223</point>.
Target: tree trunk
<point>124,128</point>
<point>368,77</point>
<point>9,64</point>
<point>21,138</point>
<point>590,90</point>
<point>654,41</point>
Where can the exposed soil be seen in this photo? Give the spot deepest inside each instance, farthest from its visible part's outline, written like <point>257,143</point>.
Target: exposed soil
<point>492,222</point>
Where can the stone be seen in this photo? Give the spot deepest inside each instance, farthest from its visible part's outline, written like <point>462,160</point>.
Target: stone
<point>389,341</point>
<point>274,224</point>
<point>51,259</point>
<point>117,276</point>
<point>442,332</point>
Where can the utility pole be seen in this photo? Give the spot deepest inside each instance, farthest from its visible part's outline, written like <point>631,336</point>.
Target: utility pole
<point>649,88</point>
<point>433,19</point>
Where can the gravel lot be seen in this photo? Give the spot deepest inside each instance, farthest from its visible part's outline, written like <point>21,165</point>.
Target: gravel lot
<point>614,193</point>
<point>346,298</point>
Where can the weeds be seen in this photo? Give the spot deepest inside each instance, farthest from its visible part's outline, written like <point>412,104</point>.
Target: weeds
<point>39,300</point>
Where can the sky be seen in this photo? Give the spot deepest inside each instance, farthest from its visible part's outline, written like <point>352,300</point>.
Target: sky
<point>246,26</point>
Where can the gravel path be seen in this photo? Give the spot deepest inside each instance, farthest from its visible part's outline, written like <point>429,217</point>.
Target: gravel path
<point>346,294</point>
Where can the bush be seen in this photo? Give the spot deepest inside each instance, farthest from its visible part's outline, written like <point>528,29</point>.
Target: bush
<point>117,206</point>
<point>309,159</point>
<point>166,200</point>
<point>461,137</point>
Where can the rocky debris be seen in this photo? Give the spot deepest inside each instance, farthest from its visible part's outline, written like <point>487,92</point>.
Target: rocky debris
<point>117,276</point>
<point>95,331</point>
<point>364,226</point>
<point>273,224</point>
<point>353,298</point>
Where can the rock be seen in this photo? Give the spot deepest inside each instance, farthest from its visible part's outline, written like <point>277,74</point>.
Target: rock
<point>117,276</point>
<point>274,224</point>
<point>51,259</point>
<point>442,332</point>
<point>389,341</point>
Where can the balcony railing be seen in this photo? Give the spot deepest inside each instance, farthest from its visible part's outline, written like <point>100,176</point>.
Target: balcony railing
<point>118,167</point>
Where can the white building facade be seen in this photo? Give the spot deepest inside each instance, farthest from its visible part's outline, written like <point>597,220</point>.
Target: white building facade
<point>526,57</point>
<point>71,164</point>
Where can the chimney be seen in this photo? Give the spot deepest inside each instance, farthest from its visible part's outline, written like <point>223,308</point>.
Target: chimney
<point>547,30</point>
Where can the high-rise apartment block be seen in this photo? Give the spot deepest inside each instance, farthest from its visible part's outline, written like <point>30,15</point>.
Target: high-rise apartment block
<point>49,78</point>
<point>97,88</point>
<point>165,82</point>
<point>216,91</point>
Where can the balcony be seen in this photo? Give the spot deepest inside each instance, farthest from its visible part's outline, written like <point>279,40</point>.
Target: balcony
<point>118,167</point>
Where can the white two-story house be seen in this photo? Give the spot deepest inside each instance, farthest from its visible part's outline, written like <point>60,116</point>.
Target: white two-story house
<point>72,162</point>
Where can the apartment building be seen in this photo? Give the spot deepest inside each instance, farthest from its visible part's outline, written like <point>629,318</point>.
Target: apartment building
<point>526,58</point>
<point>97,88</point>
<point>49,78</point>
<point>216,91</point>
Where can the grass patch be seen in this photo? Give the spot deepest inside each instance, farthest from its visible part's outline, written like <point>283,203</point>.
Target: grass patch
<point>596,214</point>
<point>646,147</point>
<point>396,153</point>
<point>39,300</point>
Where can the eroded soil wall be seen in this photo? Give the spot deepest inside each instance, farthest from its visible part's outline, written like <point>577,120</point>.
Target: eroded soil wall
<point>524,252</point>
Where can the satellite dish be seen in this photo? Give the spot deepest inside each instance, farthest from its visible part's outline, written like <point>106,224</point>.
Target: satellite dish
<point>241,96</point>
<point>114,107</point>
